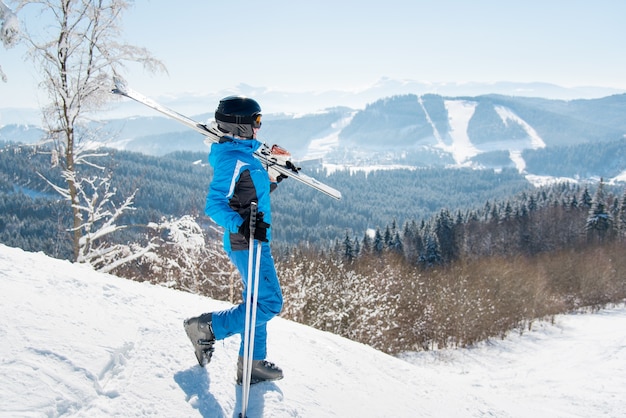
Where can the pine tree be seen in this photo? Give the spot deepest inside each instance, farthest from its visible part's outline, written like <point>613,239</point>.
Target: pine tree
<point>508,212</point>
<point>487,211</point>
<point>620,224</point>
<point>357,248</point>
<point>532,204</point>
<point>348,248</point>
<point>388,237</point>
<point>431,252</point>
<point>366,245</point>
<point>418,243</point>
<point>599,220</point>
<point>396,244</point>
<point>379,244</point>
<point>494,217</point>
<point>445,232</point>
<point>585,200</point>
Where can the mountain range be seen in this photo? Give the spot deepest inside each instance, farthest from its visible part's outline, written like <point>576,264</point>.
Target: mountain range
<point>536,136</point>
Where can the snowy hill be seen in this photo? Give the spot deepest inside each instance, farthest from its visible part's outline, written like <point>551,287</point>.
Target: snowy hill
<point>83,344</point>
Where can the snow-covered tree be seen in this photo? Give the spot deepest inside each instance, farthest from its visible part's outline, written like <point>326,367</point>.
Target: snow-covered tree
<point>599,220</point>
<point>77,56</point>
<point>431,254</point>
<point>446,236</point>
<point>182,253</point>
<point>379,242</point>
<point>348,248</point>
<point>182,258</point>
<point>396,243</point>
<point>585,199</point>
<point>621,217</point>
<point>366,246</point>
<point>101,216</point>
<point>9,30</point>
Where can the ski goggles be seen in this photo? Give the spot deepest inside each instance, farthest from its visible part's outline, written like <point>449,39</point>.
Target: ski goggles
<point>254,120</point>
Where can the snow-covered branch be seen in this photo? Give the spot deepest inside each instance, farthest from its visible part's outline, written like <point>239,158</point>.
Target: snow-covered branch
<point>99,215</point>
<point>9,30</point>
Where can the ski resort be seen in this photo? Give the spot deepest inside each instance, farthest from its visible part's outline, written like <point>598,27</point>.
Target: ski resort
<point>216,209</point>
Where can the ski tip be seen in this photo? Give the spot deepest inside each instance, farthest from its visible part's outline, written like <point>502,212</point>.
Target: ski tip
<point>120,86</point>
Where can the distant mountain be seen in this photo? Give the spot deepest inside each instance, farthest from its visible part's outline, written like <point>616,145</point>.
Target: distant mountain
<point>27,134</point>
<point>534,135</point>
<point>276,101</point>
<point>469,126</point>
<point>304,102</point>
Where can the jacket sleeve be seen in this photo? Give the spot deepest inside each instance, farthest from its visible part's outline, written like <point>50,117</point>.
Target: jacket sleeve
<point>217,201</point>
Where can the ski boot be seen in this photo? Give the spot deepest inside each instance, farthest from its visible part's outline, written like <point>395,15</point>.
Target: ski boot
<point>199,329</point>
<point>262,371</point>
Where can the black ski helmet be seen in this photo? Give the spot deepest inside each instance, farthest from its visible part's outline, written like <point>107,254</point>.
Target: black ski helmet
<point>238,115</point>
<point>238,109</point>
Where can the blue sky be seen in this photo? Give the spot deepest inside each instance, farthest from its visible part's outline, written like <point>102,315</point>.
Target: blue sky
<point>349,45</point>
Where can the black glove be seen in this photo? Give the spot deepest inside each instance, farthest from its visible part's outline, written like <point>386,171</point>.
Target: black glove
<point>260,228</point>
<point>289,165</point>
<point>292,166</point>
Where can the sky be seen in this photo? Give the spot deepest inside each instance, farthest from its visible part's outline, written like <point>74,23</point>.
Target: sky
<point>350,45</point>
<point>77,343</point>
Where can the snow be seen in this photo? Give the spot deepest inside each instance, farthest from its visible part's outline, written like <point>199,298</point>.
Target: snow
<point>459,113</point>
<point>540,181</point>
<point>620,178</point>
<point>518,160</point>
<point>74,342</point>
<point>319,147</point>
<point>508,115</point>
<point>436,133</point>
<point>9,26</point>
<point>330,168</point>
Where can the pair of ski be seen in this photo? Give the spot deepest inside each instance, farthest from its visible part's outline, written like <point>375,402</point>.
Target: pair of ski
<point>213,135</point>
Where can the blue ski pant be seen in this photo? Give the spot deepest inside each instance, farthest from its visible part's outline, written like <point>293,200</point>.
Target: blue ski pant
<point>269,302</point>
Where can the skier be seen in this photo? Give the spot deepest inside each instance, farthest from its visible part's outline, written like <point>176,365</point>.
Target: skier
<point>239,179</point>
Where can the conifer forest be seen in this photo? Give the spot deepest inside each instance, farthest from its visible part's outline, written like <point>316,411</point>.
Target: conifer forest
<point>408,260</point>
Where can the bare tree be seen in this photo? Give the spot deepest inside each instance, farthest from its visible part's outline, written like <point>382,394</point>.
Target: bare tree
<point>101,214</point>
<point>9,31</point>
<point>78,54</point>
<point>183,258</point>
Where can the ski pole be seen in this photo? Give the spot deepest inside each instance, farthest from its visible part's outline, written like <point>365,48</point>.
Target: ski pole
<point>250,320</point>
<point>248,370</point>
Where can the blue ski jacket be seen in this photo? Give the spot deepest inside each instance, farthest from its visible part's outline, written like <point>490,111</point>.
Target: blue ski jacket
<point>238,179</point>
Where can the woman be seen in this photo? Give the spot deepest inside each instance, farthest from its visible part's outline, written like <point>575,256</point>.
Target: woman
<point>239,179</point>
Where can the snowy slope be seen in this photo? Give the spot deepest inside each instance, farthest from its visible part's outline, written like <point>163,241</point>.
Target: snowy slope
<point>460,112</point>
<point>83,344</point>
<point>455,142</point>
